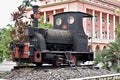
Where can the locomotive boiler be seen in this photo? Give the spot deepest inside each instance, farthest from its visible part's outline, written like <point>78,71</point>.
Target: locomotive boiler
<point>67,40</point>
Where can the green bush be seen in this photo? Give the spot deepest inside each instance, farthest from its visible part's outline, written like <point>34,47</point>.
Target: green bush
<point>5,39</point>
<point>110,57</point>
<point>45,25</point>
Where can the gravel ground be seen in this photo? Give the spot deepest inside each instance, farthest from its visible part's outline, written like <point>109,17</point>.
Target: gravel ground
<point>53,73</point>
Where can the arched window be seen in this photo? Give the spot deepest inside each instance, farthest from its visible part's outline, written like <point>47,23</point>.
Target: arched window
<point>90,48</point>
<point>97,49</point>
<point>104,48</point>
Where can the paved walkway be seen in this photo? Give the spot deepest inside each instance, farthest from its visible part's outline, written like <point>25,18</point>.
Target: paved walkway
<point>7,65</point>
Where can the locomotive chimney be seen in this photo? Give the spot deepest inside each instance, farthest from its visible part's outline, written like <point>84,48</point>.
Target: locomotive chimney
<point>35,19</point>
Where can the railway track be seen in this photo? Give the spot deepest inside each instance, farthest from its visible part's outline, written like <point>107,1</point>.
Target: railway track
<point>49,66</point>
<point>63,72</point>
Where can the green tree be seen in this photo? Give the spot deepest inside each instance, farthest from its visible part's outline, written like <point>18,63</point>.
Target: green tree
<point>5,39</point>
<point>27,3</point>
<point>108,57</point>
<point>44,25</point>
<point>118,30</point>
<point>117,10</point>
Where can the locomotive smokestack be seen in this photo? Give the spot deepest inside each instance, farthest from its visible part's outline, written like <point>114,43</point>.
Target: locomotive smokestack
<point>35,12</point>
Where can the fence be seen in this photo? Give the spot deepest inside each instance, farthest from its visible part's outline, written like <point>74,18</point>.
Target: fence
<point>103,77</point>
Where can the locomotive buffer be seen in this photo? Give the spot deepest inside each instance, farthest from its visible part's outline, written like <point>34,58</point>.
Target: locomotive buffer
<point>70,61</point>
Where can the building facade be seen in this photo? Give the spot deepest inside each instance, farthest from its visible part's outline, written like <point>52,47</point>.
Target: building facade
<point>101,27</point>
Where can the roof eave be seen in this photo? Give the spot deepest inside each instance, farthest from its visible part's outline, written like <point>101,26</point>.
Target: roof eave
<point>96,4</point>
<point>69,1</point>
<point>111,2</point>
<point>57,3</point>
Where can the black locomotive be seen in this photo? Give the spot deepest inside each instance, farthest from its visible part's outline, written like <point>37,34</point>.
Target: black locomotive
<point>55,46</point>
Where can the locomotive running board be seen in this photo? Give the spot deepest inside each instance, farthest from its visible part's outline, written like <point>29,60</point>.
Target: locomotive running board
<point>88,56</point>
<point>60,52</point>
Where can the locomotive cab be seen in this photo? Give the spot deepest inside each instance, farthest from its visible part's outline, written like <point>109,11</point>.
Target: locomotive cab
<point>73,21</point>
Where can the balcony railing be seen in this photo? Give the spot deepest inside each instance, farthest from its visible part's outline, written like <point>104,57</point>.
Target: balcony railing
<point>101,40</point>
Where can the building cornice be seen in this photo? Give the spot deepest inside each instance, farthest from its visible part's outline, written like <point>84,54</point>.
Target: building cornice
<point>112,3</point>
<point>97,4</point>
<point>57,3</point>
<point>70,1</point>
<point>84,1</point>
<point>53,4</point>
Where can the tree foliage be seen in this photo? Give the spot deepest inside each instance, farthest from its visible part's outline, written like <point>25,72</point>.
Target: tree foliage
<point>44,25</point>
<point>109,58</point>
<point>18,33</point>
<point>117,30</point>
<point>117,10</point>
<point>5,40</point>
<point>27,3</point>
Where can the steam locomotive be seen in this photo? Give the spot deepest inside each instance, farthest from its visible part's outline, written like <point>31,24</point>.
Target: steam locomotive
<point>67,40</point>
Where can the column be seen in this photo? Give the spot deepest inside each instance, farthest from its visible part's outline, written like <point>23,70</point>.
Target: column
<point>44,17</point>
<point>114,26</point>
<point>93,24</point>
<point>107,26</point>
<point>64,9</point>
<point>100,25</point>
<point>54,12</point>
